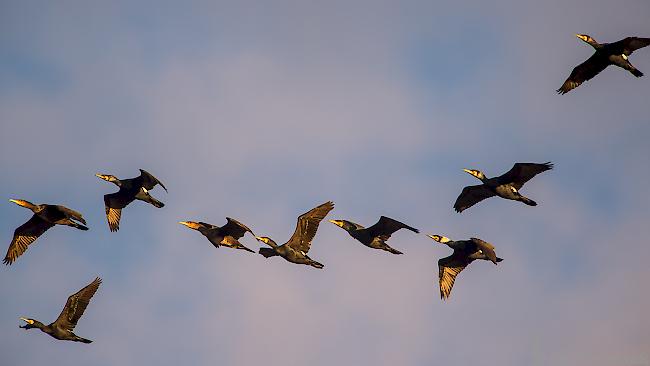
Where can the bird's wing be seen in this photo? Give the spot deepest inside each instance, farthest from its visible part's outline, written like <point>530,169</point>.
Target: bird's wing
<point>583,72</point>
<point>448,269</point>
<point>628,45</point>
<point>76,305</point>
<point>114,203</point>
<point>235,228</point>
<point>71,213</point>
<point>386,226</point>
<point>149,181</point>
<point>307,226</point>
<point>486,248</point>
<point>470,196</point>
<point>523,172</point>
<point>24,235</point>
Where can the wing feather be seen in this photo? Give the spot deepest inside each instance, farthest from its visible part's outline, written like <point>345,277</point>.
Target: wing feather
<point>149,181</point>
<point>24,235</point>
<point>386,226</point>
<point>235,228</point>
<point>472,195</point>
<point>448,269</point>
<point>76,305</point>
<point>307,226</point>
<point>583,72</point>
<point>523,172</point>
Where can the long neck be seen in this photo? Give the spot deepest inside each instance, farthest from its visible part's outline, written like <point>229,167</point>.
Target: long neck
<point>592,42</point>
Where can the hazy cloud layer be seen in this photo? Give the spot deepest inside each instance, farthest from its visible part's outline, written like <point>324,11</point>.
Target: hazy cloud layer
<point>260,112</point>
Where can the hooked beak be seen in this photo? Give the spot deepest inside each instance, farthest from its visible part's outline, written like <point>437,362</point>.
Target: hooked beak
<point>337,222</point>
<point>439,238</point>
<point>190,224</point>
<point>28,321</point>
<point>468,171</point>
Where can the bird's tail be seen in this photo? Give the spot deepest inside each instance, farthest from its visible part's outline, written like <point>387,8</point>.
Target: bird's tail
<point>315,264</point>
<point>155,202</point>
<point>528,201</point>
<point>246,249</point>
<point>76,225</point>
<point>268,252</point>
<point>393,250</point>
<point>636,73</point>
<point>83,340</point>
<point>499,260</point>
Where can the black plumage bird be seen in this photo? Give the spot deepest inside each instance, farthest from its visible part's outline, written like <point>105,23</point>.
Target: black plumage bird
<point>465,252</point>
<point>130,189</point>
<point>606,54</point>
<point>45,216</point>
<point>376,235</point>
<point>62,328</point>
<point>295,250</point>
<point>226,235</point>
<point>505,186</point>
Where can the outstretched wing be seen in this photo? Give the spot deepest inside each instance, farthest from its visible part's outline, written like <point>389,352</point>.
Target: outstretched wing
<point>307,226</point>
<point>583,72</point>
<point>235,229</point>
<point>448,269</point>
<point>114,203</point>
<point>486,248</point>
<point>24,235</point>
<point>472,195</point>
<point>628,45</point>
<point>149,181</point>
<point>386,226</point>
<point>76,305</point>
<point>523,172</point>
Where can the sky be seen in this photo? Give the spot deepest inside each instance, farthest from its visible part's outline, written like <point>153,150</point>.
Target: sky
<point>260,111</point>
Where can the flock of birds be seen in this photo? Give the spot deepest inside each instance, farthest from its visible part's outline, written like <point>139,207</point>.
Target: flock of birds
<point>296,248</point>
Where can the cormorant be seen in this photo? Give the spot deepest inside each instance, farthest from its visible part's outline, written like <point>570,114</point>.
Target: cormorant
<point>62,328</point>
<point>606,54</point>
<point>226,235</point>
<point>465,252</point>
<point>506,186</point>
<point>376,235</point>
<point>295,250</point>
<point>45,216</point>
<point>130,189</point>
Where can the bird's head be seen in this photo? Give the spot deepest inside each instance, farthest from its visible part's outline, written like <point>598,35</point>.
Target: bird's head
<point>266,240</point>
<point>30,323</point>
<point>587,39</point>
<point>190,224</point>
<point>475,173</point>
<point>343,224</point>
<point>23,203</point>
<point>440,239</point>
<point>108,178</point>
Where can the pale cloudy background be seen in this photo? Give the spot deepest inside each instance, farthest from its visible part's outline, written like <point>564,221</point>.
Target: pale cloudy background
<point>261,110</point>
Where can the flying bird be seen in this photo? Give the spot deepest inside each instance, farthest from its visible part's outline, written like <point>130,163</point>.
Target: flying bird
<point>376,235</point>
<point>295,250</point>
<point>130,189</point>
<point>62,328</point>
<point>226,235</point>
<point>465,252</point>
<point>606,54</point>
<point>506,186</point>
<point>45,216</point>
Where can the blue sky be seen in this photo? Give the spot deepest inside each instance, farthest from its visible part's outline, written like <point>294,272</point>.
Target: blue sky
<point>260,111</point>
